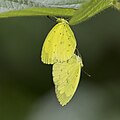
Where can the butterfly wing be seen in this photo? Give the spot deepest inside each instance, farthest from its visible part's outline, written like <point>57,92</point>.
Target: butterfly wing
<point>66,77</point>
<point>59,44</point>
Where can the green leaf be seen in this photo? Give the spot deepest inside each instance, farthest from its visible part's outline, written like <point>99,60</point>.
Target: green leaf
<point>11,8</point>
<point>90,9</point>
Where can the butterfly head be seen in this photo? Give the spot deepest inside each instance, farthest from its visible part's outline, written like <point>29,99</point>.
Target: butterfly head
<point>61,20</point>
<point>80,60</point>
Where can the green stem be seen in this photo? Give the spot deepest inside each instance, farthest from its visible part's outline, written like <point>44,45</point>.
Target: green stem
<point>117,5</point>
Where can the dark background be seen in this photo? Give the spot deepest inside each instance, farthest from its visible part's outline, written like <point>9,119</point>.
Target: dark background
<point>26,87</point>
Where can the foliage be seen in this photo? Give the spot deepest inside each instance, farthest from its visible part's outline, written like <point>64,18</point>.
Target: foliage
<point>79,10</point>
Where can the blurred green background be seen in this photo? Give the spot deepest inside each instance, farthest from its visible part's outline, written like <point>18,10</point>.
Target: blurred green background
<point>26,87</point>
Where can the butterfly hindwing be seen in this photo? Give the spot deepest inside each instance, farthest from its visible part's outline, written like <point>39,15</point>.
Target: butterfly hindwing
<point>59,44</point>
<point>66,77</point>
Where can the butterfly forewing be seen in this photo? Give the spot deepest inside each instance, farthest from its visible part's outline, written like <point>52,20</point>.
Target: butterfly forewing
<point>59,44</point>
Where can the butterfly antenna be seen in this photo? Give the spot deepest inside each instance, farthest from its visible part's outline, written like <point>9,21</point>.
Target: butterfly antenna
<point>78,53</point>
<point>51,18</point>
<point>86,73</point>
<point>68,19</point>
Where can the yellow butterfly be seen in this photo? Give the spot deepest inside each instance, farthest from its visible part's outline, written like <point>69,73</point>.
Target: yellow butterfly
<point>66,76</point>
<point>59,44</point>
